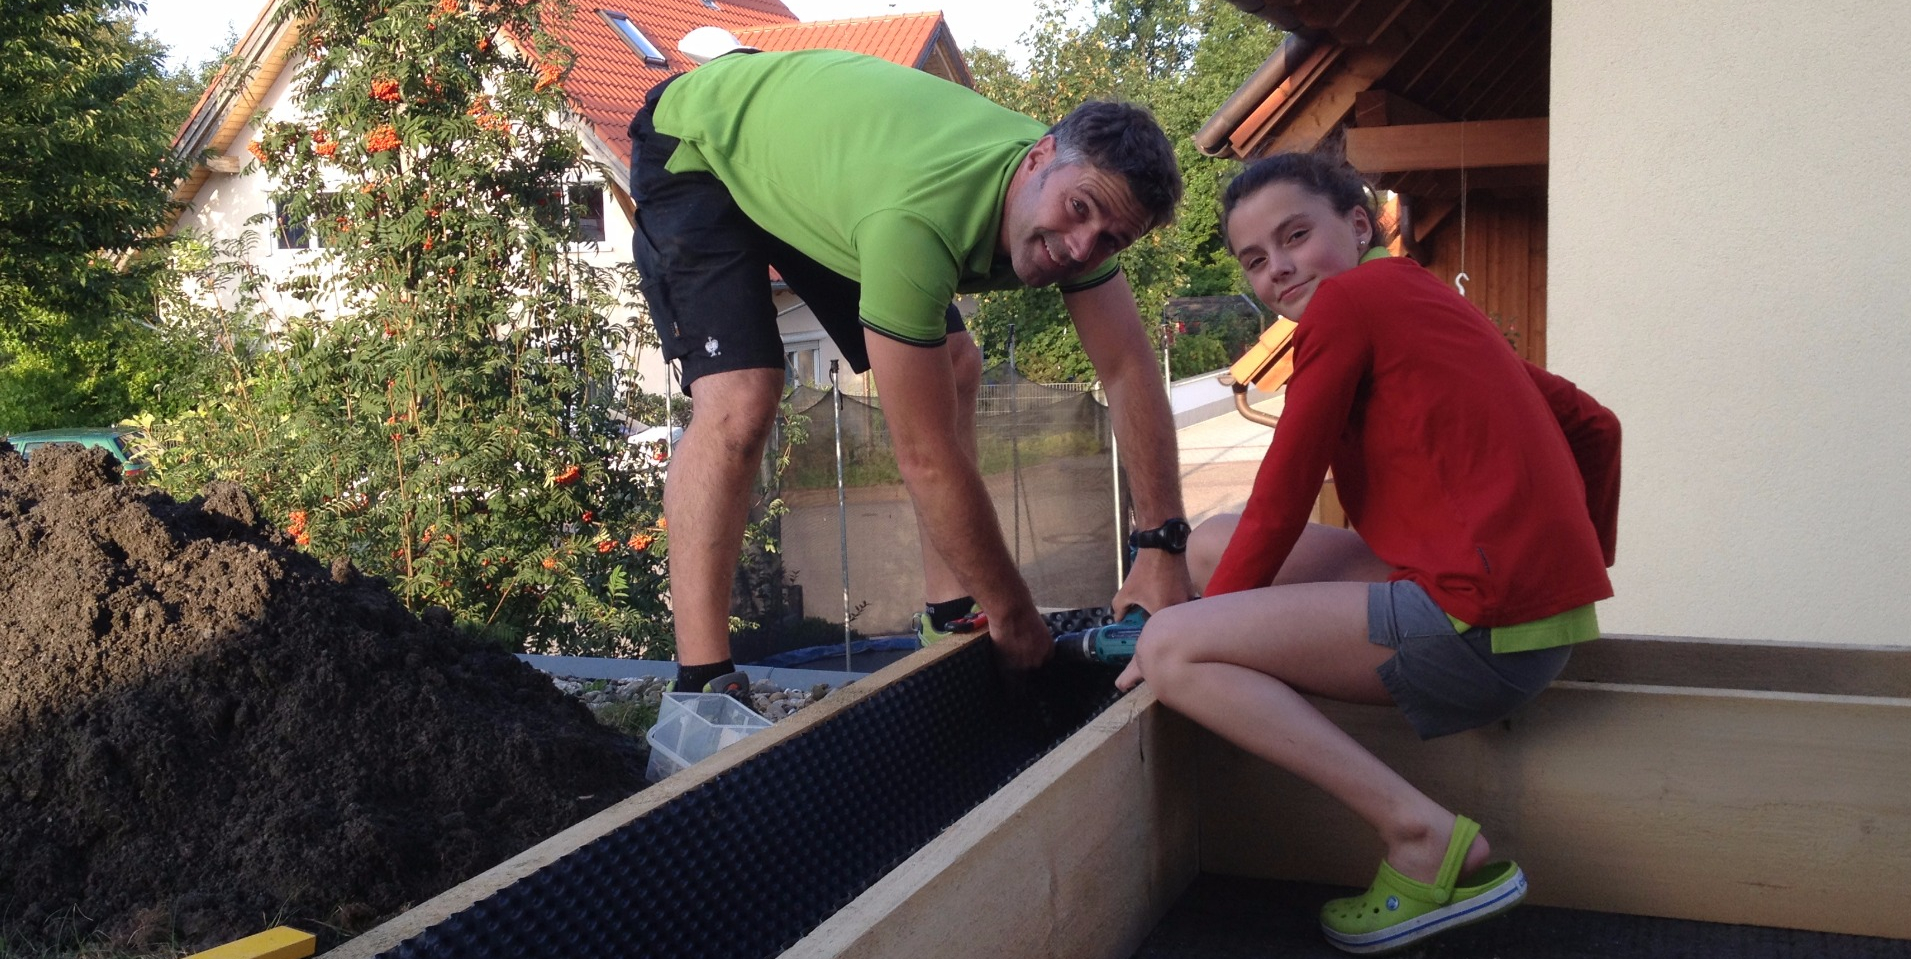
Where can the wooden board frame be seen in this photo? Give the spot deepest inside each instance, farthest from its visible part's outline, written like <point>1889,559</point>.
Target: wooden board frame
<point>1773,807</point>
<point>1779,795</point>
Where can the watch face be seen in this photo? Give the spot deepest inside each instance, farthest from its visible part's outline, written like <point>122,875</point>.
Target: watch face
<point>1176,535</point>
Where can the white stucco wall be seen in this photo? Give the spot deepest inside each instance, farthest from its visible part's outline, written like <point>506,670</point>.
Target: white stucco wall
<point>1730,271</point>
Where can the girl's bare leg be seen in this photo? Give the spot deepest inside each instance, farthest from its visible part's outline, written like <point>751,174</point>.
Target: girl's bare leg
<point>1238,664</point>
<point>1323,554</point>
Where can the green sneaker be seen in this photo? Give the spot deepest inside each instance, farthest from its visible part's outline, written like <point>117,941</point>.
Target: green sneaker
<point>1396,912</point>
<point>735,685</point>
<point>928,635</point>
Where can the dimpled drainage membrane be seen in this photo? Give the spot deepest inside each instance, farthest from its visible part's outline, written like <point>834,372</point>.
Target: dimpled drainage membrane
<point>751,861</point>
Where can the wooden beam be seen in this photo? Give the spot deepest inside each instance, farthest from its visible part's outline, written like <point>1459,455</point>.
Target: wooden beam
<point>1448,146</point>
<point>1080,855</point>
<point>1824,669</point>
<point>1384,108</point>
<point>1428,214</point>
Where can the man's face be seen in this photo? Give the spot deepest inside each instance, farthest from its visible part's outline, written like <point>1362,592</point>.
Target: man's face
<point>1059,220</point>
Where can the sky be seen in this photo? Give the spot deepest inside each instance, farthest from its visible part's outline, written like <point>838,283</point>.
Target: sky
<point>195,29</point>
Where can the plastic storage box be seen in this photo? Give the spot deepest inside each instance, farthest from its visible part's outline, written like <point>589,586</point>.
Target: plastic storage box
<point>691,726</point>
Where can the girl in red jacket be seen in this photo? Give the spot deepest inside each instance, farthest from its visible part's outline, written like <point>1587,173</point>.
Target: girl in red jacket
<point>1483,492</point>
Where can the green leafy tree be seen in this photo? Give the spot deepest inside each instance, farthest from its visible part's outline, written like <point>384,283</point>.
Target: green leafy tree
<point>444,411</point>
<point>87,113</point>
<point>1178,58</point>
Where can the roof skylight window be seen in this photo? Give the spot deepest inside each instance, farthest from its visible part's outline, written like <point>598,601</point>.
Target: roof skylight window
<point>635,38</point>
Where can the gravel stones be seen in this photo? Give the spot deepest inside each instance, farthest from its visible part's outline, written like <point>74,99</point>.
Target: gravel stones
<point>771,701</point>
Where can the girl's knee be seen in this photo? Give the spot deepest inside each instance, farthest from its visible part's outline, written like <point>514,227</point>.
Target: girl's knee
<point>1163,650</point>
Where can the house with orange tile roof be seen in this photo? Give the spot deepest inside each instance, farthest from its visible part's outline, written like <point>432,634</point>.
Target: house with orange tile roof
<point>621,48</point>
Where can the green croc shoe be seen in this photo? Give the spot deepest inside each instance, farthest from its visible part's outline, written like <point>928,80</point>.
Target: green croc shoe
<point>1396,912</point>
<point>928,635</point>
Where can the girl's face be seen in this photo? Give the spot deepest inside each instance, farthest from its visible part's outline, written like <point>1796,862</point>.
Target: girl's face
<point>1288,240</point>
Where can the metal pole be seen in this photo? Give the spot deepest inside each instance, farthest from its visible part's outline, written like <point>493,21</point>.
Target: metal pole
<point>669,372</point>
<point>1121,527</point>
<point>1167,370</point>
<point>1015,447</point>
<point>842,503</point>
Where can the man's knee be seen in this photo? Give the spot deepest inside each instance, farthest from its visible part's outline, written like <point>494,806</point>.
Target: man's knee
<point>736,409</point>
<point>966,359</point>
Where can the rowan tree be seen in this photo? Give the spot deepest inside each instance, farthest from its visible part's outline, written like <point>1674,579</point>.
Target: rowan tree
<point>445,409</point>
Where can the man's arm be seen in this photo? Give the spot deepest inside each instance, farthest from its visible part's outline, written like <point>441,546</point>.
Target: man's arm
<point>1109,325</point>
<point>918,393</point>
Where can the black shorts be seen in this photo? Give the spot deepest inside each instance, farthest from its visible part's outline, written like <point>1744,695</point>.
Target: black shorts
<point>705,269</point>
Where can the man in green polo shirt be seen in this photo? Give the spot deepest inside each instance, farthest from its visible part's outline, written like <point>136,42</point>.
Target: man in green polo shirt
<point>879,193</point>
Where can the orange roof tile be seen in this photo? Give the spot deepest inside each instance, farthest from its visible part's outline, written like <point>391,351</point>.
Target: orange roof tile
<point>608,79</point>
<point>902,38</point>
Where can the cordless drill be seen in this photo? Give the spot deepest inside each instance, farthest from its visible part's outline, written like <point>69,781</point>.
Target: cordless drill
<point>1111,645</point>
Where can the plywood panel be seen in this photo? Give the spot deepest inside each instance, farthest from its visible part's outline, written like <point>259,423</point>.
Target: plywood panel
<point>1079,856</point>
<point>1772,809</point>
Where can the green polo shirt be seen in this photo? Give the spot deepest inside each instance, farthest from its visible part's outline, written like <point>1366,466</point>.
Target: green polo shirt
<point>889,176</point>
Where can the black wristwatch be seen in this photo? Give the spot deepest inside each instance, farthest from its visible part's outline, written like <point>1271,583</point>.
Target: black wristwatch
<point>1171,536</point>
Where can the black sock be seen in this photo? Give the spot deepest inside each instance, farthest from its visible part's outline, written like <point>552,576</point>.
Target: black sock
<point>692,679</point>
<point>946,612</point>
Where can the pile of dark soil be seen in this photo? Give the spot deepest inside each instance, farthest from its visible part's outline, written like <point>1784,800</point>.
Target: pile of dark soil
<point>204,731</point>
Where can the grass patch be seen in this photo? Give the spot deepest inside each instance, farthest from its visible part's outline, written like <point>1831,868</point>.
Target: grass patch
<point>633,718</point>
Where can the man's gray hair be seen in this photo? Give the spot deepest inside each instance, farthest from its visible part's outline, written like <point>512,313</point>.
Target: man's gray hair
<point>1123,139</point>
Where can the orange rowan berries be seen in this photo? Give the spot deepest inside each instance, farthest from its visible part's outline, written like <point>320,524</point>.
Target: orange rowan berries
<point>382,139</point>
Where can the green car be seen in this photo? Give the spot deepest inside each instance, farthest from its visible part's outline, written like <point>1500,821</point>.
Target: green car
<point>113,439</point>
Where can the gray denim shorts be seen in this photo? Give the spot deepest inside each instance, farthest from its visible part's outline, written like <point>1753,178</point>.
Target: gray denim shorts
<point>1445,681</point>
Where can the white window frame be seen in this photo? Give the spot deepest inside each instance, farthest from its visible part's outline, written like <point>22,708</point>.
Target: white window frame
<point>634,36</point>
<point>794,347</point>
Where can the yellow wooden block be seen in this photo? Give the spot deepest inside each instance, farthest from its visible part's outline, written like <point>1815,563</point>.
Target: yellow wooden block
<point>282,942</point>
<point>1269,363</point>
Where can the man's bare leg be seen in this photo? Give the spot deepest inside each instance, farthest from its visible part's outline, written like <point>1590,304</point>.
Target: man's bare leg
<point>939,584</point>
<point>707,503</point>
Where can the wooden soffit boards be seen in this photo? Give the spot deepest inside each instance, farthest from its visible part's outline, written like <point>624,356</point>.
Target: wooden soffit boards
<point>1474,60</point>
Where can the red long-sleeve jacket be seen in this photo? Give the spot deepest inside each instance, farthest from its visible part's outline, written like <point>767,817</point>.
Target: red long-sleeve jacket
<point>1488,481</point>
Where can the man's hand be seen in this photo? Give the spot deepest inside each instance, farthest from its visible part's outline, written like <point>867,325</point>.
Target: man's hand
<point>1022,637</point>
<point>1159,580</point>
<point>1131,676</point>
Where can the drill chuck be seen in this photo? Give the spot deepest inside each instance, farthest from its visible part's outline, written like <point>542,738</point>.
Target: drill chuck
<point>1111,645</point>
